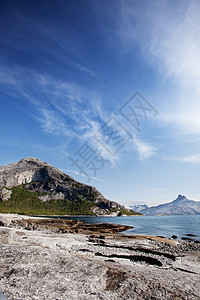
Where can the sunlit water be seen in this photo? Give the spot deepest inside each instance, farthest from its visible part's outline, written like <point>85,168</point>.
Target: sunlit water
<point>153,225</point>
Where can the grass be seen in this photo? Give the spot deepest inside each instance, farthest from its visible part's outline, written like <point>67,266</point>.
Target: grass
<point>23,201</point>
<point>124,211</point>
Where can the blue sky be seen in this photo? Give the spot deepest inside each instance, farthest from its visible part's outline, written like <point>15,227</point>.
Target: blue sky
<point>73,74</point>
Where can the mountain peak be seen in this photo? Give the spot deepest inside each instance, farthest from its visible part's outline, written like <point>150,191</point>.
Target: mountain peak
<point>180,197</point>
<point>180,206</point>
<point>31,159</point>
<point>34,186</point>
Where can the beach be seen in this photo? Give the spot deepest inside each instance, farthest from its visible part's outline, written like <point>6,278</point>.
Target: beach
<point>45,262</point>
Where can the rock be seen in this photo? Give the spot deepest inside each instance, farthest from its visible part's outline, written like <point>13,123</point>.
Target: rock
<point>174,237</point>
<point>190,234</point>
<point>187,239</point>
<point>4,221</point>
<point>5,194</point>
<point>53,266</point>
<point>66,225</point>
<point>6,235</point>
<point>55,196</point>
<point>197,242</point>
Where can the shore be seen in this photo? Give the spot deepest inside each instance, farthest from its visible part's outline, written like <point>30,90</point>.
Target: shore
<point>44,260</point>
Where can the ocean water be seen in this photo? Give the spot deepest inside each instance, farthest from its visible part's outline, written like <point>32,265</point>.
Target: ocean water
<point>153,225</point>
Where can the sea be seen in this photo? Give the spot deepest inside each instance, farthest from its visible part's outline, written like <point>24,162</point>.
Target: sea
<point>166,226</point>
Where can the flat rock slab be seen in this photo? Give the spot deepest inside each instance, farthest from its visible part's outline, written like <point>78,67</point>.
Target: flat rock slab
<point>39,264</point>
<point>40,273</point>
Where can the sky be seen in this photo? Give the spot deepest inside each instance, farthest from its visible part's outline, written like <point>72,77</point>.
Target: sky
<point>108,91</point>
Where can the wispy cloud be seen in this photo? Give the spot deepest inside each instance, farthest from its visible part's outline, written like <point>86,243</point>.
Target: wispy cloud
<point>169,38</point>
<point>144,149</point>
<point>53,123</point>
<point>62,107</point>
<point>86,70</point>
<point>103,150</point>
<point>193,159</point>
<point>83,175</point>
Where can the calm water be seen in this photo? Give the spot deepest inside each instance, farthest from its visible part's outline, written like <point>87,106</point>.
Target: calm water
<point>150,225</point>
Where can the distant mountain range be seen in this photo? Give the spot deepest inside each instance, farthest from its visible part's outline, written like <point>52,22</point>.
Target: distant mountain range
<point>138,208</point>
<point>31,186</point>
<point>180,206</point>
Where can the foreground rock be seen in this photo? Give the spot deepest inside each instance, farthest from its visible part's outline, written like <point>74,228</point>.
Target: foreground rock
<point>40,264</point>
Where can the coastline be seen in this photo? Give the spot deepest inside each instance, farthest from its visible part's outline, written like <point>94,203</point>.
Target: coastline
<point>85,216</point>
<point>38,263</point>
<point>173,227</point>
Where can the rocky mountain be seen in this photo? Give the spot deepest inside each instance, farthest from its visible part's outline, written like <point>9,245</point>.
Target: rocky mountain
<point>180,206</point>
<point>138,208</point>
<point>31,186</point>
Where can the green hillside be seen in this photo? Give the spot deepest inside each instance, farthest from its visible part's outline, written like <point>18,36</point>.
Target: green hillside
<point>23,201</point>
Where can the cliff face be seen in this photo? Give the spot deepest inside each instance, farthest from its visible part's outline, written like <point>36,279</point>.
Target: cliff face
<point>48,189</point>
<point>28,170</point>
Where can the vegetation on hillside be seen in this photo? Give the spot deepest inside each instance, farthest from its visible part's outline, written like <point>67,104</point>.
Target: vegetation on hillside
<point>128,212</point>
<point>23,201</point>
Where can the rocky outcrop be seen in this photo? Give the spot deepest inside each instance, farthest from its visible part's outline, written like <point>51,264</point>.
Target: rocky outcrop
<point>5,194</point>
<point>29,170</point>
<point>37,264</point>
<point>68,226</point>
<point>49,183</point>
<point>19,173</point>
<point>4,221</point>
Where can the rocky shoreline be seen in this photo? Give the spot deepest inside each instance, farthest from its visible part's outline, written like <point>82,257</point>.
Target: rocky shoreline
<point>65,259</point>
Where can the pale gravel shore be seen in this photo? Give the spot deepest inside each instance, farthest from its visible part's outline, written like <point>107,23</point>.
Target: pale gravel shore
<point>46,265</point>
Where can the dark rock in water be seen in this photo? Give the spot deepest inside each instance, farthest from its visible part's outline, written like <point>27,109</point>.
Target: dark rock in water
<point>174,237</point>
<point>187,239</point>
<point>190,234</point>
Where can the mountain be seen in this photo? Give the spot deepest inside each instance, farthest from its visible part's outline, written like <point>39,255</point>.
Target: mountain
<point>138,208</point>
<point>31,186</point>
<point>180,206</point>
